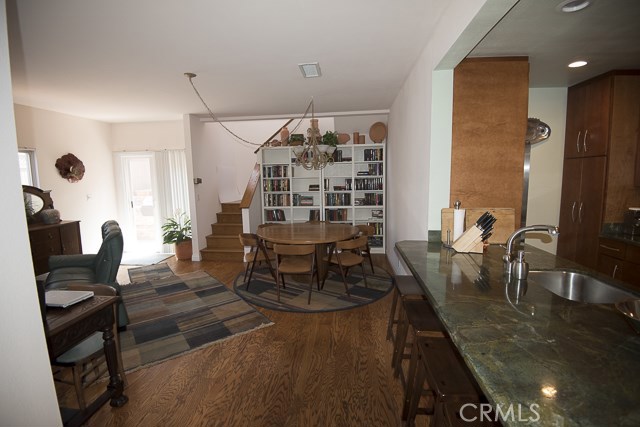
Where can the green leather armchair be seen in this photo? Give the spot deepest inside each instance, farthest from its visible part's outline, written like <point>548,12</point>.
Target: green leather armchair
<point>99,268</point>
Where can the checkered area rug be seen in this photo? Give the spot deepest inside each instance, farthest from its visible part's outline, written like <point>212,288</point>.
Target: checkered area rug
<point>175,314</point>
<point>332,297</point>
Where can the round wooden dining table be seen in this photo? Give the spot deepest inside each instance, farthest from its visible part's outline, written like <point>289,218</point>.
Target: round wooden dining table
<point>309,233</point>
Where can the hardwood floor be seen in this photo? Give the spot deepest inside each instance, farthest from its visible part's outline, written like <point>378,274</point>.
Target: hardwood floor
<point>326,369</point>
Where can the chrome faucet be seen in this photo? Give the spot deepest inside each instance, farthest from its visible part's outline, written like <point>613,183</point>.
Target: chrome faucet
<point>508,256</point>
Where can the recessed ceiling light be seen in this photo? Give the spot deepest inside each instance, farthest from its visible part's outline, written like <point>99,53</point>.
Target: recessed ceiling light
<point>310,69</point>
<point>569,6</point>
<point>577,64</point>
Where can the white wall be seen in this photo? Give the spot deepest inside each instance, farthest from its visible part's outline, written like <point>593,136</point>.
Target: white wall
<point>410,136</point>
<point>441,137</point>
<point>27,396</point>
<point>545,178</point>
<point>91,200</point>
<point>147,136</point>
<point>224,164</point>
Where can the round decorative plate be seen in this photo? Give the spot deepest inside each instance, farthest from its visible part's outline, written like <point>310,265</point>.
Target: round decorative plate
<point>378,132</point>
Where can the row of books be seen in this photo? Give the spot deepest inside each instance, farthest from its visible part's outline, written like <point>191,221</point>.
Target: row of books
<point>377,226</point>
<point>370,199</point>
<point>275,215</point>
<point>373,154</point>
<point>337,199</point>
<point>372,169</point>
<point>337,157</point>
<point>300,200</point>
<point>336,214</point>
<point>277,200</point>
<point>275,184</point>
<point>278,171</point>
<point>368,183</point>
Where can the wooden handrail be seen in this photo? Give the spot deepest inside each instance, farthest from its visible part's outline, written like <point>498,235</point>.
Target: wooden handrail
<point>254,178</point>
<point>251,187</point>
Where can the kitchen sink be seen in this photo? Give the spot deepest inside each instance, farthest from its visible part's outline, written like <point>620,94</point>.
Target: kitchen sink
<point>579,286</point>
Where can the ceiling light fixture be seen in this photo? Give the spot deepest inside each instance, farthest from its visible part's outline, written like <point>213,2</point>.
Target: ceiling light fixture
<point>310,69</point>
<point>569,6</point>
<point>314,154</point>
<point>577,64</point>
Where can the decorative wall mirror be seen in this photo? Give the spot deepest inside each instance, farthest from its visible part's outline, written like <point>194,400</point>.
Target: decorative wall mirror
<point>35,201</point>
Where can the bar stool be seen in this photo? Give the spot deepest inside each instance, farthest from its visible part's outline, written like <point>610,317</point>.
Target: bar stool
<point>417,321</point>
<point>404,288</point>
<point>446,381</point>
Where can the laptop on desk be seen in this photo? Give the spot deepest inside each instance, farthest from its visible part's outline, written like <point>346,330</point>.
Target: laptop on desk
<point>64,298</point>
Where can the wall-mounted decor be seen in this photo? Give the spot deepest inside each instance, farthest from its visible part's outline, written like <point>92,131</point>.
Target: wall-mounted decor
<point>70,167</point>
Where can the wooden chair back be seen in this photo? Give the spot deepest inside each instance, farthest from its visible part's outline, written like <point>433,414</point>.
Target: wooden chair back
<point>357,243</point>
<point>293,249</point>
<point>366,229</point>
<point>248,239</point>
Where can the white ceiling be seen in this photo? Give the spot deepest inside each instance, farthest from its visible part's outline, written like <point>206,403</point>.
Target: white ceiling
<point>124,60</point>
<point>606,34</point>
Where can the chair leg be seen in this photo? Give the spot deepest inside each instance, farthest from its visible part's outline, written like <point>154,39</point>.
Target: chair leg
<point>392,314</point>
<point>415,396</point>
<point>364,275</point>
<point>246,270</point>
<point>344,278</point>
<point>253,264</point>
<point>401,341</point>
<point>77,382</point>
<point>370,259</point>
<point>278,279</point>
<point>411,373</point>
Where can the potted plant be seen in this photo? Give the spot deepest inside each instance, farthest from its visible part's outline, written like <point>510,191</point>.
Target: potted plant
<point>296,139</point>
<point>330,138</point>
<point>178,231</point>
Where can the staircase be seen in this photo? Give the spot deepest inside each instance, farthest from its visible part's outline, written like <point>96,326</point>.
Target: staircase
<point>223,243</point>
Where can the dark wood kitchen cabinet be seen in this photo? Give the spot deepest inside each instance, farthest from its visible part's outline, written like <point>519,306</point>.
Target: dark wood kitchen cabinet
<point>583,185</point>
<point>619,260</point>
<point>601,140</point>
<point>62,238</point>
<point>587,132</point>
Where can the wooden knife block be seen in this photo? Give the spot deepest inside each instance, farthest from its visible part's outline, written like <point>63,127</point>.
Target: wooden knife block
<point>504,226</point>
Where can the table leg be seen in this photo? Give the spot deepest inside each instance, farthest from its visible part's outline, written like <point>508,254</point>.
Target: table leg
<point>323,267</point>
<point>116,386</point>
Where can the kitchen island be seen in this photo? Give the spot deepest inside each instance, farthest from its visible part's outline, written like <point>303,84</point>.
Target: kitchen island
<point>539,359</point>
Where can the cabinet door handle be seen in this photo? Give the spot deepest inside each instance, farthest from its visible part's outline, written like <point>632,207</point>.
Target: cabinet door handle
<point>584,140</point>
<point>610,248</point>
<point>580,213</point>
<point>573,212</point>
<point>578,141</point>
<point>615,270</point>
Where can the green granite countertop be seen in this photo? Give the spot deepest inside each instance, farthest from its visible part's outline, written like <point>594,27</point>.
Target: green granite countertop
<point>578,362</point>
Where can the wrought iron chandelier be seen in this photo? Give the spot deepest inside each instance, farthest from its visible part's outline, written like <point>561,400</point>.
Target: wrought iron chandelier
<point>313,154</point>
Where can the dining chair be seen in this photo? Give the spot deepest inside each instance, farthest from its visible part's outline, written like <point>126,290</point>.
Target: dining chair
<point>87,359</point>
<point>296,259</point>
<point>367,230</point>
<point>347,255</point>
<point>257,253</point>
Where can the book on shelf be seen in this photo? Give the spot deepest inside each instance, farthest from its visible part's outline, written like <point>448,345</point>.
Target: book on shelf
<point>314,187</point>
<point>275,215</point>
<point>314,215</point>
<point>376,213</point>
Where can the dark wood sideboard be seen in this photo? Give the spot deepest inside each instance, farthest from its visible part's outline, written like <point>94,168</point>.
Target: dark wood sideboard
<point>62,238</point>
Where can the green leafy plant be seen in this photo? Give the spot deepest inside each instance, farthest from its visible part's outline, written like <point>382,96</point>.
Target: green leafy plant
<point>176,230</point>
<point>296,139</point>
<point>330,138</point>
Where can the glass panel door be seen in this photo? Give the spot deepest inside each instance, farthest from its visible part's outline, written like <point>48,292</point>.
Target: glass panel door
<point>141,205</point>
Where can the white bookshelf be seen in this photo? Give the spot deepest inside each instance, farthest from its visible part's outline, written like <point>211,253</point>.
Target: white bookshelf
<point>350,191</point>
